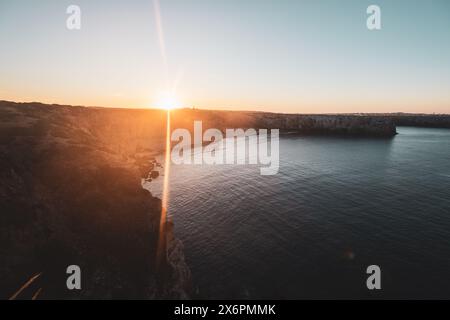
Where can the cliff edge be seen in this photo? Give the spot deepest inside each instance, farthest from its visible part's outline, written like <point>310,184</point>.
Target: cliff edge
<point>70,193</point>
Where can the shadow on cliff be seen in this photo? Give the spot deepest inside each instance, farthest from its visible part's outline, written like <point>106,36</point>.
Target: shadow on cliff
<point>71,194</point>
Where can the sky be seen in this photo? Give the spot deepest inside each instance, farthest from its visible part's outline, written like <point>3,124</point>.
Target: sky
<point>310,56</point>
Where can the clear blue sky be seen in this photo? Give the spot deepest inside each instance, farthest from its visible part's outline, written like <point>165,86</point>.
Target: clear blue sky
<point>278,55</point>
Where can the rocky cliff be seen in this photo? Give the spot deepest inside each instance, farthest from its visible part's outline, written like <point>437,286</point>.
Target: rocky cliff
<point>421,120</point>
<point>70,194</point>
<point>329,124</point>
<point>359,125</point>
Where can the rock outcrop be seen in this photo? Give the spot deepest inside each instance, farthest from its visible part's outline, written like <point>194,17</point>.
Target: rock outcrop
<point>357,125</point>
<point>332,124</point>
<point>421,120</point>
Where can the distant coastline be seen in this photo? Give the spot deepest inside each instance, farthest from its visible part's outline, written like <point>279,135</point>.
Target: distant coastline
<point>382,124</point>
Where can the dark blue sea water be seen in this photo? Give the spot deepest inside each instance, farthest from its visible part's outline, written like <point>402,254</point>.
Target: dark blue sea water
<point>337,206</point>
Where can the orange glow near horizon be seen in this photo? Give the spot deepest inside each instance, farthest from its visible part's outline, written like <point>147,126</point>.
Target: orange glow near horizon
<point>310,106</point>
<point>210,58</point>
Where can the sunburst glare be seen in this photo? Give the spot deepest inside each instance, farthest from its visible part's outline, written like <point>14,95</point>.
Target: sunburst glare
<point>168,101</point>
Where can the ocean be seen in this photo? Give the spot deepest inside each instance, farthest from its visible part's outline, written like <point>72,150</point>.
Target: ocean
<point>337,205</point>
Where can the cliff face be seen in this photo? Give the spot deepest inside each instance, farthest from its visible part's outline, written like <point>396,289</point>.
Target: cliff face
<point>70,193</point>
<point>332,124</point>
<point>429,121</point>
<point>302,124</point>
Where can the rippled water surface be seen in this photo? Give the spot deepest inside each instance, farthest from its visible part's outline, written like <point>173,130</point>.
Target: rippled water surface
<point>336,206</point>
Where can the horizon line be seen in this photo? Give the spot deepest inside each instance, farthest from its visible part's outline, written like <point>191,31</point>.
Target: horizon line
<point>224,110</point>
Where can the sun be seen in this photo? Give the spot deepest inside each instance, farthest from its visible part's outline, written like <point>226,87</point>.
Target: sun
<point>168,102</point>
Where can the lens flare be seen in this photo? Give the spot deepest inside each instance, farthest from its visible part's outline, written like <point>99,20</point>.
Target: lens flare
<point>168,102</point>
<point>161,249</point>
